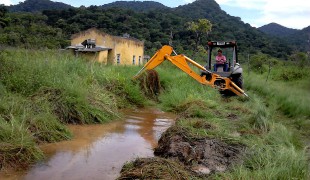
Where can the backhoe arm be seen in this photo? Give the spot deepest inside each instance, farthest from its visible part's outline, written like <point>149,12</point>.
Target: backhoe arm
<point>156,60</point>
<point>182,62</point>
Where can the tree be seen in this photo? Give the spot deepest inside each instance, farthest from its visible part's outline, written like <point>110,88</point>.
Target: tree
<point>3,11</point>
<point>200,28</point>
<point>299,58</point>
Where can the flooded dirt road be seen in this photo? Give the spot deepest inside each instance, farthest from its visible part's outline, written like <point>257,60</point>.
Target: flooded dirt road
<point>99,151</point>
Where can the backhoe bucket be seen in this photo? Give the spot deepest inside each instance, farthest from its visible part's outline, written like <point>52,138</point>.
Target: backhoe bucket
<point>156,60</point>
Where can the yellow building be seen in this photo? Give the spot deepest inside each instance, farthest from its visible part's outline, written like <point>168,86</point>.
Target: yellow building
<point>99,46</point>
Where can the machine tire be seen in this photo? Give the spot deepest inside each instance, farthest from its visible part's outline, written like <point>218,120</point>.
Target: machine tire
<point>238,80</point>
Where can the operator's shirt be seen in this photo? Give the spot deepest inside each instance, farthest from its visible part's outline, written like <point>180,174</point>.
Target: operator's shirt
<point>220,59</point>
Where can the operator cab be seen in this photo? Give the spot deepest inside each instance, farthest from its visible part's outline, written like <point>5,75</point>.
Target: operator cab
<point>228,50</point>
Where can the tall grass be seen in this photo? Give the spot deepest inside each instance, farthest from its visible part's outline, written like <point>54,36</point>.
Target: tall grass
<point>269,162</point>
<point>261,119</point>
<point>274,150</point>
<point>277,154</point>
<point>180,88</point>
<point>42,91</point>
<point>17,147</point>
<point>291,99</point>
<point>39,120</point>
<point>81,90</point>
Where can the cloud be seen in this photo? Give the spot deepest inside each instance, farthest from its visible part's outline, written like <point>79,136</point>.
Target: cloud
<point>247,4</point>
<point>6,2</point>
<point>294,14</point>
<point>188,1</point>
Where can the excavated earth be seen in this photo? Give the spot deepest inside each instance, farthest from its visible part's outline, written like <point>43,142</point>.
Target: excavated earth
<point>198,157</point>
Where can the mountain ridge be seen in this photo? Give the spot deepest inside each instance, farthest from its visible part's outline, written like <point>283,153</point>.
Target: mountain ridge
<point>276,29</point>
<point>37,6</point>
<point>135,5</point>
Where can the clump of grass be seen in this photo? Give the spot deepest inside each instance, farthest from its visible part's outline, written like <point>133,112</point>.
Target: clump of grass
<point>126,92</point>
<point>92,107</point>
<point>154,168</point>
<point>274,152</point>
<point>271,162</point>
<point>261,119</point>
<point>45,127</point>
<point>215,128</point>
<point>118,81</point>
<point>281,135</point>
<point>196,108</point>
<point>37,119</point>
<point>17,147</point>
<point>150,84</point>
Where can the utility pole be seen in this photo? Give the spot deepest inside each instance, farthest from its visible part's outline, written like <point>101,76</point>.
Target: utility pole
<point>170,38</point>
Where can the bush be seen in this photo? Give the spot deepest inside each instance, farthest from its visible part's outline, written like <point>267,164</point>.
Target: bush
<point>290,73</point>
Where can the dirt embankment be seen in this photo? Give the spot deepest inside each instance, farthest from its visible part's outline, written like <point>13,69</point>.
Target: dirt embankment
<point>183,156</point>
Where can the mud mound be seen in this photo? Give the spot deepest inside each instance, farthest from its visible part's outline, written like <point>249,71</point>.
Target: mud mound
<point>154,168</point>
<point>150,84</point>
<point>211,155</point>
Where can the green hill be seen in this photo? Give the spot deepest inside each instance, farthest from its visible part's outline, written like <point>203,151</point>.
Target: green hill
<point>300,40</point>
<point>275,29</point>
<point>135,5</point>
<point>37,6</point>
<point>297,39</point>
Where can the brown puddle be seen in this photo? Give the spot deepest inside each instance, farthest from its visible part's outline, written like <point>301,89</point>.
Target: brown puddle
<point>99,151</point>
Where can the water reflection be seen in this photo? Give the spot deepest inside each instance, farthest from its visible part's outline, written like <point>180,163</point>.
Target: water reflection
<point>99,151</point>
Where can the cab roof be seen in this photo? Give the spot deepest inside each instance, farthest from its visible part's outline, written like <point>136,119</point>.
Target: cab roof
<point>222,44</point>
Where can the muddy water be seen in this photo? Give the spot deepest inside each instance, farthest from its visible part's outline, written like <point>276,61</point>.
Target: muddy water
<point>99,151</point>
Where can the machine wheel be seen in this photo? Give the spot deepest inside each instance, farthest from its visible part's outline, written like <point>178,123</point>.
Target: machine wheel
<point>207,74</point>
<point>238,80</point>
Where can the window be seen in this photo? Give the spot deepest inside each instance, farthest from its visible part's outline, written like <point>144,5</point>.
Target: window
<point>139,60</point>
<point>134,60</point>
<point>118,58</point>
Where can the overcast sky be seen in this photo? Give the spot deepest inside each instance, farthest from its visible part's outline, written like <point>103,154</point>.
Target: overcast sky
<point>293,14</point>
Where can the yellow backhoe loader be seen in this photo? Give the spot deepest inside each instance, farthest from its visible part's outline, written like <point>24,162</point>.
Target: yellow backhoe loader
<point>228,82</point>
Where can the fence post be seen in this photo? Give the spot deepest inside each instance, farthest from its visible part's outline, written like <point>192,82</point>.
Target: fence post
<point>248,64</point>
<point>268,70</point>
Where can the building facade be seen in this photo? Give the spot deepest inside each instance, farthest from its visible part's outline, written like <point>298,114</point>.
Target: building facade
<point>99,46</point>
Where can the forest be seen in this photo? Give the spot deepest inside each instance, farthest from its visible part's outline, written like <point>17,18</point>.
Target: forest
<point>155,26</point>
